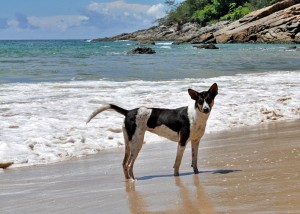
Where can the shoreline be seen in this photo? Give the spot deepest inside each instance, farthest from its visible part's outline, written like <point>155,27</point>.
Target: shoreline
<point>249,169</point>
<point>41,129</point>
<point>11,165</point>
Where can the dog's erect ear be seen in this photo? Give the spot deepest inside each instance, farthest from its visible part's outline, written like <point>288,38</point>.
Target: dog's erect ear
<point>213,90</point>
<point>193,94</point>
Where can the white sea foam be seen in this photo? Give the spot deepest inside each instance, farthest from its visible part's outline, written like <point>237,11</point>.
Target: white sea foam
<point>164,43</point>
<point>166,47</point>
<point>45,122</point>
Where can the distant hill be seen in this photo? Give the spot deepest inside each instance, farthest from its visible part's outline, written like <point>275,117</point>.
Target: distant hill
<point>278,23</point>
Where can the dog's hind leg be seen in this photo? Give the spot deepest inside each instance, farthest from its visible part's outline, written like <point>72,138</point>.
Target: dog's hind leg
<point>135,147</point>
<point>126,155</point>
<point>133,157</point>
<point>195,147</point>
<point>138,129</point>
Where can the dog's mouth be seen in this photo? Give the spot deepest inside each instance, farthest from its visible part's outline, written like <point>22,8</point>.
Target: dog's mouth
<point>205,111</point>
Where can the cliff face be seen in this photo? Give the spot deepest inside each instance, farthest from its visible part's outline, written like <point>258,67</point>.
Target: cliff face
<point>278,23</point>
<point>186,33</point>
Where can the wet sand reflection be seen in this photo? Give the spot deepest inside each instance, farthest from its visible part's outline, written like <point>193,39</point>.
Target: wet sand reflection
<point>188,196</point>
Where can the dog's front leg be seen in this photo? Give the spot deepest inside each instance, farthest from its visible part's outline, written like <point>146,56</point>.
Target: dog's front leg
<point>183,137</point>
<point>180,151</point>
<point>195,147</point>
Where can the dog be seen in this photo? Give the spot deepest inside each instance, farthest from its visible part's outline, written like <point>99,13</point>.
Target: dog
<point>180,125</point>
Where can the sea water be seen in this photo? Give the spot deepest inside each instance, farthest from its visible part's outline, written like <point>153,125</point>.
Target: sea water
<point>49,88</point>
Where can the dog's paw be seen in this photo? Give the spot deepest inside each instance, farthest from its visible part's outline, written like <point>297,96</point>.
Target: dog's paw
<point>131,180</point>
<point>196,171</point>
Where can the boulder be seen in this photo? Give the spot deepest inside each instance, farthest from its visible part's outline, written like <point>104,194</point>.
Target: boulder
<point>142,50</point>
<point>293,48</point>
<point>204,38</point>
<point>206,46</point>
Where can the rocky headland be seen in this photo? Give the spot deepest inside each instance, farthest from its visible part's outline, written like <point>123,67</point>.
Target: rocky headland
<point>278,23</point>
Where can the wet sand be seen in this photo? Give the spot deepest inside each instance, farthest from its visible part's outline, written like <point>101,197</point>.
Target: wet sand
<point>248,170</point>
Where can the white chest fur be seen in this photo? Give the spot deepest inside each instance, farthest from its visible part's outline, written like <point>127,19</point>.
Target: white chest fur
<point>197,122</point>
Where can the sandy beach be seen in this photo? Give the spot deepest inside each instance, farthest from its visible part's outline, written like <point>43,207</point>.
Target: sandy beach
<point>246,170</point>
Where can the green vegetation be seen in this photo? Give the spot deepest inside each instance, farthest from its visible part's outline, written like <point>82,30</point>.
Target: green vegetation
<point>209,11</point>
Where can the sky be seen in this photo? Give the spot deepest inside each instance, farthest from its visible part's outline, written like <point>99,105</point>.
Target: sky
<point>76,19</point>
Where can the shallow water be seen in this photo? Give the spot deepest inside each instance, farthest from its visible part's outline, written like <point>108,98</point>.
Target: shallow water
<point>40,61</point>
<point>49,88</point>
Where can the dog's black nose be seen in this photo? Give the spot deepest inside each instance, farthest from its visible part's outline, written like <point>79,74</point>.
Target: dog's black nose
<point>205,110</point>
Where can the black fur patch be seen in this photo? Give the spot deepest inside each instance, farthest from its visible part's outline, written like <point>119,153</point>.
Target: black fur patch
<point>130,124</point>
<point>175,119</point>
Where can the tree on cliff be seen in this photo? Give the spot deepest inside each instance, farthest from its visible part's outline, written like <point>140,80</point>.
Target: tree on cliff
<point>210,11</point>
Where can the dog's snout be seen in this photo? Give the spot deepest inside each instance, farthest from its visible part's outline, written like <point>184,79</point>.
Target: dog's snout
<point>205,110</point>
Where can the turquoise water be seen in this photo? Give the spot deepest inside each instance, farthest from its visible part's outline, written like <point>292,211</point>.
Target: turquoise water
<point>68,60</point>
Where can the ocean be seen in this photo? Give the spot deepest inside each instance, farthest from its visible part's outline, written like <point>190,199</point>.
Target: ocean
<point>49,88</point>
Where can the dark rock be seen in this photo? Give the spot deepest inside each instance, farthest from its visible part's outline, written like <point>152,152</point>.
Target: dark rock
<point>204,38</point>
<point>142,50</point>
<point>206,46</point>
<point>293,48</point>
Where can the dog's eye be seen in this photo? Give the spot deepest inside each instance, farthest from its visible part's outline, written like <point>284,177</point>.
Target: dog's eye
<point>200,100</point>
<point>208,100</point>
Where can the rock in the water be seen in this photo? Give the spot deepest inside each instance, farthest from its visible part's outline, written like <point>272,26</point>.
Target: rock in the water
<point>142,50</point>
<point>206,46</point>
<point>293,48</point>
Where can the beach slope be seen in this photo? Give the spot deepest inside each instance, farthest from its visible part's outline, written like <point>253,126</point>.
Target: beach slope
<point>248,170</point>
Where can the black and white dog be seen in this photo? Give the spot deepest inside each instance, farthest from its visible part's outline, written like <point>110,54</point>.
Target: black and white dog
<point>181,125</point>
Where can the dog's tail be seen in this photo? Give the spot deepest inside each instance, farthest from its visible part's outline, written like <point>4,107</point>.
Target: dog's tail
<point>106,107</point>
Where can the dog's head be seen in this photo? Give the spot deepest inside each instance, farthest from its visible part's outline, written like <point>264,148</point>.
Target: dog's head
<point>205,99</point>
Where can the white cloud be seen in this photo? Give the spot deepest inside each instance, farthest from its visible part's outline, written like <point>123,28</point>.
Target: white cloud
<point>158,11</point>
<point>120,17</point>
<point>117,7</point>
<point>138,11</point>
<point>61,22</point>
<point>57,22</point>
<point>97,18</point>
<point>12,23</point>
